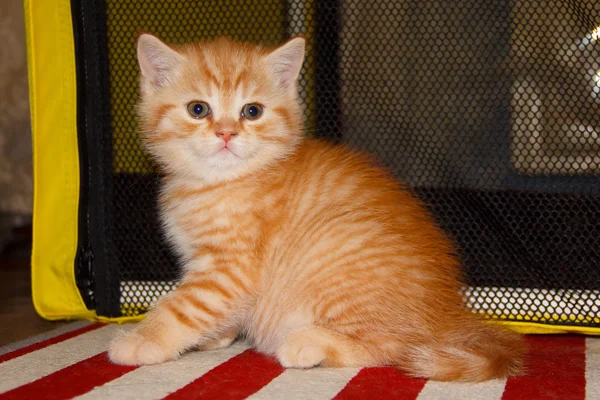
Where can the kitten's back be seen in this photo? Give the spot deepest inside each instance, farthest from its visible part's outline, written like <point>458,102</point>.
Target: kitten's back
<point>360,254</point>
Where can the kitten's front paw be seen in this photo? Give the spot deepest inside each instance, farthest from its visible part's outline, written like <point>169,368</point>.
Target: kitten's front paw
<point>135,349</point>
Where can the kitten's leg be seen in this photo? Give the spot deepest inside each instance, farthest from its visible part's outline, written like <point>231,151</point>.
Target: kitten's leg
<point>204,304</point>
<point>315,345</point>
<point>224,341</point>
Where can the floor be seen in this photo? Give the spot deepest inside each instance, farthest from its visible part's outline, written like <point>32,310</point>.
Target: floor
<point>18,319</point>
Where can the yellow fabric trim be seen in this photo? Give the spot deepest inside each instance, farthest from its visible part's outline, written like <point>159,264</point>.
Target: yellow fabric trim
<point>528,327</point>
<point>119,320</point>
<point>52,91</point>
<point>536,328</point>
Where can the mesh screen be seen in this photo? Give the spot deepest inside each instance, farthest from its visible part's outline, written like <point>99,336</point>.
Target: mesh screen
<point>488,109</point>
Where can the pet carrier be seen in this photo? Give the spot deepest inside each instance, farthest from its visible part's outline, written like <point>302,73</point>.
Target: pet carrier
<point>490,110</point>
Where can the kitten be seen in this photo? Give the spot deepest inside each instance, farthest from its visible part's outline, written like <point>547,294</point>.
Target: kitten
<point>311,251</point>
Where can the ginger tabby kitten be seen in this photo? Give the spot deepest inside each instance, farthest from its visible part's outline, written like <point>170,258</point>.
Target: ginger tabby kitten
<point>309,250</point>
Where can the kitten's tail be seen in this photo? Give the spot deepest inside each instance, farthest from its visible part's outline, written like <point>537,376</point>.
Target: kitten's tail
<point>473,351</point>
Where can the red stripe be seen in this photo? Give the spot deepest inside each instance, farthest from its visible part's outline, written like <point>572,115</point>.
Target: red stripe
<point>555,370</point>
<point>71,381</point>
<point>382,383</point>
<point>48,342</point>
<point>237,378</point>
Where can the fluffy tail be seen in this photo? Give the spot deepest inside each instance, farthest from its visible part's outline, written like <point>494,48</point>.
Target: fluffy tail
<point>472,351</point>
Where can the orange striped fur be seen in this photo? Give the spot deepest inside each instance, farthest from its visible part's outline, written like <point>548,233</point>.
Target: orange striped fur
<point>309,250</point>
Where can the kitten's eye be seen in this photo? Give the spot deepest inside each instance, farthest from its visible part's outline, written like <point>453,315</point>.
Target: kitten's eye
<point>198,109</point>
<point>252,111</point>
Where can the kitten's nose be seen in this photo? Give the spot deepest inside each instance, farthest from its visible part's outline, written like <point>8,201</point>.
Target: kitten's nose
<point>226,136</point>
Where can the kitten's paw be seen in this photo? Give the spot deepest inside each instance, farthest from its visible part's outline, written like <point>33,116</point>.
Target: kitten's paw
<point>300,355</point>
<point>135,349</point>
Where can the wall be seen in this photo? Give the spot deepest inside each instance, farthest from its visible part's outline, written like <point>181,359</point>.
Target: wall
<point>16,191</point>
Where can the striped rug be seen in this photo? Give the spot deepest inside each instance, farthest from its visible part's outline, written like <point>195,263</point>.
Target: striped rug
<point>72,363</point>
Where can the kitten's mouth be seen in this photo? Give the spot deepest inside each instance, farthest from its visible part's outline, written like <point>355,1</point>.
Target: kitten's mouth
<point>227,150</point>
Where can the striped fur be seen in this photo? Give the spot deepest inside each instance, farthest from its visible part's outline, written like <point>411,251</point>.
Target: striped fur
<point>308,249</point>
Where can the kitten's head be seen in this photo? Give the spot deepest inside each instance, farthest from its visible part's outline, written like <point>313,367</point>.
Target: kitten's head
<point>218,110</point>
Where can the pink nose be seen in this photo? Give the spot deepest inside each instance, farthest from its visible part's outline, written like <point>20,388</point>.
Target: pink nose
<point>226,136</point>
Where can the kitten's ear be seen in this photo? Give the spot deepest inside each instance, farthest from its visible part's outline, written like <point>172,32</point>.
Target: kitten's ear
<point>157,60</point>
<point>286,61</point>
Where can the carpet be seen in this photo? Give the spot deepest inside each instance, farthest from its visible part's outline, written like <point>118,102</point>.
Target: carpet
<point>71,363</point>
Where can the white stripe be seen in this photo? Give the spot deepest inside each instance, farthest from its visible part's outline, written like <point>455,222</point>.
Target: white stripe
<point>43,336</point>
<point>43,362</point>
<point>158,381</point>
<point>309,384</point>
<point>592,368</point>
<point>489,390</point>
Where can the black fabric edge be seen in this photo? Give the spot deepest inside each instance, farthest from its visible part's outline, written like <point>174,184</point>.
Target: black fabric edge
<point>95,261</point>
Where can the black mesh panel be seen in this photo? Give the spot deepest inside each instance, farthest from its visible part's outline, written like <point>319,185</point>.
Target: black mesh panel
<point>490,110</point>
